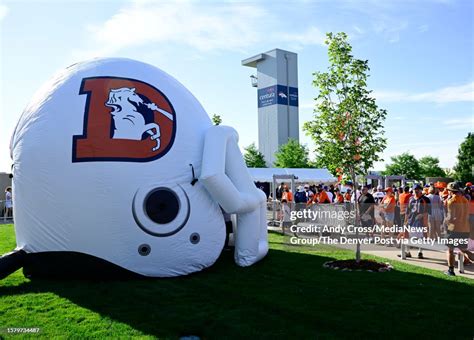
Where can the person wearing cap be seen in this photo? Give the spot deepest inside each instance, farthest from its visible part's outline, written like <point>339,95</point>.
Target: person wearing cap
<point>287,195</point>
<point>331,189</point>
<point>469,194</point>
<point>285,216</point>
<point>471,214</point>
<point>458,226</point>
<point>347,195</point>
<point>367,206</point>
<point>398,222</point>
<point>8,203</point>
<point>443,192</point>
<point>379,194</point>
<point>329,193</point>
<point>309,194</point>
<point>339,198</point>
<point>437,213</point>
<point>300,195</point>
<point>280,190</point>
<point>417,216</point>
<point>321,196</point>
<point>398,193</point>
<point>445,196</point>
<point>403,200</point>
<point>388,208</point>
<point>355,191</point>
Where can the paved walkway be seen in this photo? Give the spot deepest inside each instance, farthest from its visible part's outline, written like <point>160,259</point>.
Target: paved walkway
<point>432,259</point>
<point>435,260</point>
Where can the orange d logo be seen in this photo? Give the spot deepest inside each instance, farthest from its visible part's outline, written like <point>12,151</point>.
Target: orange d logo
<point>125,120</point>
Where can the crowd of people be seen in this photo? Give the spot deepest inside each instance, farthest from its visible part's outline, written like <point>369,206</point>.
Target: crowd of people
<point>435,210</point>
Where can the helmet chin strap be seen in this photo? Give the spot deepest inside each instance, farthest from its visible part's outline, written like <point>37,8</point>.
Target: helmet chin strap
<point>194,176</point>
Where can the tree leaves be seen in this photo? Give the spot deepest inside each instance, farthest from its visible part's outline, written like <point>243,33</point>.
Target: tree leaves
<point>406,165</point>
<point>216,119</point>
<point>347,125</point>
<point>292,155</point>
<point>254,158</point>
<point>465,165</point>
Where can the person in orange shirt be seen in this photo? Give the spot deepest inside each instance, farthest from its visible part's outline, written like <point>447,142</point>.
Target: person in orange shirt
<point>471,217</point>
<point>287,195</point>
<point>339,198</point>
<point>321,197</point>
<point>443,192</point>
<point>348,195</point>
<point>388,208</point>
<point>457,220</point>
<point>426,190</point>
<point>403,200</point>
<point>469,194</point>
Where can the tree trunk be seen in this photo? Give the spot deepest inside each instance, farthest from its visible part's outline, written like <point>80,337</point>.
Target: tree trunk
<point>356,207</point>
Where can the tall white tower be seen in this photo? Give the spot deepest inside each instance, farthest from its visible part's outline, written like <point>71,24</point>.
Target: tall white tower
<point>277,83</point>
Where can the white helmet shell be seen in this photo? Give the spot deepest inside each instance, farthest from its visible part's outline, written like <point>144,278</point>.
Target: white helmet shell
<point>102,160</point>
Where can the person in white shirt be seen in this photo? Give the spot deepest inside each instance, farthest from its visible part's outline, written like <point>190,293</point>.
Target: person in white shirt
<point>379,194</point>
<point>355,193</point>
<point>437,213</point>
<point>330,194</point>
<point>309,193</point>
<point>8,203</point>
<point>355,196</point>
<point>285,221</point>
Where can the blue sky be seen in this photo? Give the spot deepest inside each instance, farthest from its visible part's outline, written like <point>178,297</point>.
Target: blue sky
<point>420,53</point>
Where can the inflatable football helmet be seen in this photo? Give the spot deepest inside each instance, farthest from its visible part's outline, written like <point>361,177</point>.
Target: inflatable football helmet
<point>118,168</point>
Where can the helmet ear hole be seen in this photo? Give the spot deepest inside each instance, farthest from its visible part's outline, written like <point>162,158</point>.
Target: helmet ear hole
<point>161,210</point>
<point>162,205</point>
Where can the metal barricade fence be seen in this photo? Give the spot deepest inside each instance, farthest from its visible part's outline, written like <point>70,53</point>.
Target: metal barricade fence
<point>4,218</point>
<point>333,214</point>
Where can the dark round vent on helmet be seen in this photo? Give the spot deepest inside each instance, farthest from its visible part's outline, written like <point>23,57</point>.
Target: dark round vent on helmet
<point>194,238</point>
<point>144,249</point>
<point>162,206</point>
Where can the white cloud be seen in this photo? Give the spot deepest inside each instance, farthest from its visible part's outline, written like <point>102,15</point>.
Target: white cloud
<point>307,105</point>
<point>389,27</point>
<point>460,93</point>
<point>199,26</point>
<point>3,12</point>
<point>312,36</point>
<point>423,28</point>
<point>459,124</point>
<point>358,29</point>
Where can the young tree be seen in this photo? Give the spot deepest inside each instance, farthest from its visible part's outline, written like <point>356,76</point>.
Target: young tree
<point>347,127</point>
<point>405,165</point>
<point>254,158</point>
<point>465,166</point>
<point>216,119</point>
<point>292,155</point>
<point>450,173</point>
<point>429,167</point>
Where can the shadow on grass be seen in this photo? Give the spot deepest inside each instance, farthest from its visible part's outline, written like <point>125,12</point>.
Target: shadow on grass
<point>287,295</point>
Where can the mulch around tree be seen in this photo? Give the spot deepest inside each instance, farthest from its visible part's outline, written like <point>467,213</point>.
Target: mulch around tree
<point>353,265</point>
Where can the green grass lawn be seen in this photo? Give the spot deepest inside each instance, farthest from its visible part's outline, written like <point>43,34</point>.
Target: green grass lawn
<point>287,295</point>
